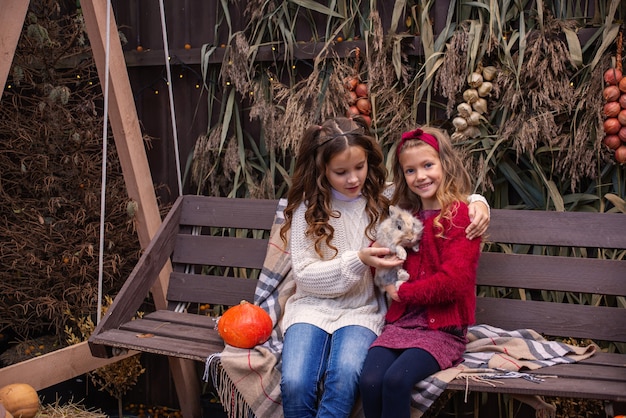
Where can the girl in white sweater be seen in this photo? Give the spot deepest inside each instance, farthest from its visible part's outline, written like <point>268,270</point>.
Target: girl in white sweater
<point>333,207</point>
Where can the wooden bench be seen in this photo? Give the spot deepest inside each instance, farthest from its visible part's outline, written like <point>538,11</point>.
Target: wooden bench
<point>217,246</point>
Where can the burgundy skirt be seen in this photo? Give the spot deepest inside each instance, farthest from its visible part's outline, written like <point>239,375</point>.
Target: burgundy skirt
<point>411,331</point>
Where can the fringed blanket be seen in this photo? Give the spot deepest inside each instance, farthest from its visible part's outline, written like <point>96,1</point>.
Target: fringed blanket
<point>248,380</point>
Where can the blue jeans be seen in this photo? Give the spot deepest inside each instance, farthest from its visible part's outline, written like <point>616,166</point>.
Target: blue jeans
<point>312,358</point>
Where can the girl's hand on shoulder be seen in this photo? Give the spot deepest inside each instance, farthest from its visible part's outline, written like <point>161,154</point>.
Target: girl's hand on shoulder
<point>479,216</point>
<point>376,257</point>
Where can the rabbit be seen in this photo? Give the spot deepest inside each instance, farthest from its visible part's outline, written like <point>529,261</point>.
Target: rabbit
<point>399,231</point>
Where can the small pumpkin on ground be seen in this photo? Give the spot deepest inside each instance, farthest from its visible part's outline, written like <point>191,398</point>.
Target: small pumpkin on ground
<point>245,325</point>
<point>20,400</point>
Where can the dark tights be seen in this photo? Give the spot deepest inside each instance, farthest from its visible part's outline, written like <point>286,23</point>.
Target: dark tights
<point>387,378</point>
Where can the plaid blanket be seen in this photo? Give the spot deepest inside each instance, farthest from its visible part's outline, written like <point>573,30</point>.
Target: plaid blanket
<point>248,380</point>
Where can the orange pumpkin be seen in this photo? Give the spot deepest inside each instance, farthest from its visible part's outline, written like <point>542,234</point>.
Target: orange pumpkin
<point>20,399</point>
<point>245,325</point>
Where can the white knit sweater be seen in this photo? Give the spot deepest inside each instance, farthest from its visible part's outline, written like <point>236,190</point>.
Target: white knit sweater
<point>338,290</point>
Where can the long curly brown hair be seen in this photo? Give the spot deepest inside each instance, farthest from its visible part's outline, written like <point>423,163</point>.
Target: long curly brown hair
<point>319,144</point>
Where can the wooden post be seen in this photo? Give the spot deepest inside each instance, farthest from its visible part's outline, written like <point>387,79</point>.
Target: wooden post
<point>130,147</point>
<point>11,22</point>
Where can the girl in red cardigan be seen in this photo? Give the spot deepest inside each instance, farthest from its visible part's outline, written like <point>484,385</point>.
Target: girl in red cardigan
<point>427,321</point>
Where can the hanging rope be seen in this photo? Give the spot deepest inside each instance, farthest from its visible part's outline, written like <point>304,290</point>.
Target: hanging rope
<point>171,96</point>
<point>618,55</point>
<point>105,137</point>
<point>105,133</point>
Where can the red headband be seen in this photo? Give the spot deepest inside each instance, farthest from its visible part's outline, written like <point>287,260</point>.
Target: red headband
<point>418,134</point>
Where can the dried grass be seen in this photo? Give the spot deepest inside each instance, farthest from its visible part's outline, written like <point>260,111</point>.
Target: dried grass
<point>546,112</point>
<point>543,94</point>
<point>392,97</point>
<point>69,410</point>
<point>452,75</point>
<point>236,65</point>
<point>580,152</point>
<point>50,159</point>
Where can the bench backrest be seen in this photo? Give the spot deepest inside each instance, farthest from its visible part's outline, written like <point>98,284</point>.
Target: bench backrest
<point>219,250</point>
<point>535,261</point>
<point>547,258</point>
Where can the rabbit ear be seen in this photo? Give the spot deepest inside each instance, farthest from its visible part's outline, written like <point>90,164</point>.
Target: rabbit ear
<point>393,209</point>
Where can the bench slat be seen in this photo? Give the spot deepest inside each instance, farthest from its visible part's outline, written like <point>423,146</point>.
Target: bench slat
<point>586,370</point>
<point>569,229</point>
<point>217,290</point>
<point>607,359</point>
<point>587,388</point>
<point>554,319</point>
<point>172,347</point>
<point>164,315</point>
<point>219,251</point>
<point>228,212</point>
<point>146,328</point>
<point>567,274</point>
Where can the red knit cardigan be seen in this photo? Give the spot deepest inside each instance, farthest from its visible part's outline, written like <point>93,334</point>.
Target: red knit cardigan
<point>442,274</point>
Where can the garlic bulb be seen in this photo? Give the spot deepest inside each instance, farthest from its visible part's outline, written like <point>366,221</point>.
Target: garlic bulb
<point>489,73</point>
<point>475,79</point>
<point>470,95</point>
<point>473,119</point>
<point>459,123</point>
<point>464,109</point>
<point>474,105</point>
<point>459,136</point>
<point>484,89</point>
<point>480,105</point>
<point>472,132</point>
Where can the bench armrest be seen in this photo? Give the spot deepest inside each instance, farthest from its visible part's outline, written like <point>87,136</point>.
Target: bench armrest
<point>155,258</point>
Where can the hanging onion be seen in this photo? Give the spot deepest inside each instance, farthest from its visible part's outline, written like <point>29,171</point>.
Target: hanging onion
<point>480,106</point>
<point>612,126</point>
<point>611,109</point>
<point>364,106</point>
<point>361,90</point>
<point>612,141</point>
<point>612,76</point>
<point>474,119</point>
<point>472,131</point>
<point>611,93</point>
<point>620,154</point>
